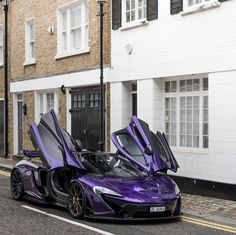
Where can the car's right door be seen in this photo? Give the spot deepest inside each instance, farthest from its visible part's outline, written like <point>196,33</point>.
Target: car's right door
<point>144,148</point>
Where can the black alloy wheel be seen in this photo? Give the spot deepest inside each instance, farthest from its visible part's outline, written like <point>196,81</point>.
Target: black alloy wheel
<point>76,200</point>
<point>17,185</point>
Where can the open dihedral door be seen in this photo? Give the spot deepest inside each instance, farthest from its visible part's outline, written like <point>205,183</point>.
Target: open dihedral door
<point>47,137</point>
<point>141,146</point>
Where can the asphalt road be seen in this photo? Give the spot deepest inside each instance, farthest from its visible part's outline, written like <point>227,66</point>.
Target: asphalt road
<point>29,218</point>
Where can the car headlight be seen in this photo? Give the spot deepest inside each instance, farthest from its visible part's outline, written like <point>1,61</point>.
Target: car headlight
<point>100,190</point>
<point>177,191</point>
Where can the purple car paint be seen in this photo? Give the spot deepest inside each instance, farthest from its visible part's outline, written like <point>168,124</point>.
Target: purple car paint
<point>131,184</point>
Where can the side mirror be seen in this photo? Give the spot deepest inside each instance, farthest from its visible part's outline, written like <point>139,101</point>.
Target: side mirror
<point>78,145</point>
<point>148,150</point>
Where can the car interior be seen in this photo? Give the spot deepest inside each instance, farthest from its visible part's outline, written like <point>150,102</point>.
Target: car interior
<point>61,178</point>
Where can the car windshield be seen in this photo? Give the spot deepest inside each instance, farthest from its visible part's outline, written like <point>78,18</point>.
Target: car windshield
<point>109,165</point>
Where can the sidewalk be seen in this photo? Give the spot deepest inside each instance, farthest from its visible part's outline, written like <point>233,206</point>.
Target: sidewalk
<point>217,210</point>
<point>6,164</point>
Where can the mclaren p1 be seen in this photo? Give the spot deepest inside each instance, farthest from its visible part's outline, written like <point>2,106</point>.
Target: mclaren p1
<point>130,184</point>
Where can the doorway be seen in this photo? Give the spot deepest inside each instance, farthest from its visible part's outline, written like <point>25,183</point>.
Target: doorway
<point>19,123</point>
<point>85,116</point>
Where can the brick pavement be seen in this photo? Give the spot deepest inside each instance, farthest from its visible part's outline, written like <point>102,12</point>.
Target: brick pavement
<point>205,206</point>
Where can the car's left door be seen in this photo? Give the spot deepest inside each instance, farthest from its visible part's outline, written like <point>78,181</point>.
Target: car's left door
<point>48,138</point>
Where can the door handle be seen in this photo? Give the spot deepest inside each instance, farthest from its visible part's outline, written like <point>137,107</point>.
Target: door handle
<point>86,130</point>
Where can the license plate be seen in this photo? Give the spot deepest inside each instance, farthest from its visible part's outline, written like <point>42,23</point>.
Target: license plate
<point>157,208</point>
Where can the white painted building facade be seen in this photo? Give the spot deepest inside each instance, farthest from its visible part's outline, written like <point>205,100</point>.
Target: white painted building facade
<point>185,70</point>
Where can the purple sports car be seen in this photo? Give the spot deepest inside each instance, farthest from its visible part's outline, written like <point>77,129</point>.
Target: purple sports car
<point>131,184</point>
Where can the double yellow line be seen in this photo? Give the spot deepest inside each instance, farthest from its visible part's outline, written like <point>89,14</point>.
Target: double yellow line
<point>208,224</point>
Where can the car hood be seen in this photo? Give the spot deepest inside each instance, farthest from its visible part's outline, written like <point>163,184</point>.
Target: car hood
<point>143,148</point>
<point>149,189</point>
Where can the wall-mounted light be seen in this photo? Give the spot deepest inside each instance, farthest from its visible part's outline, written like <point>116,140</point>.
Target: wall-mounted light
<point>51,29</point>
<point>129,48</point>
<point>25,109</point>
<point>63,89</point>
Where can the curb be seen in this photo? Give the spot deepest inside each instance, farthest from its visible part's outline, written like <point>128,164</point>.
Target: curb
<point>18,157</point>
<point>10,164</point>
<point>6,167</point>
<point>213,218</point>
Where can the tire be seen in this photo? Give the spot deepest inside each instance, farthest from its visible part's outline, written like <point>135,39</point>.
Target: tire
<point>76,200</point>
<point>17,184</point>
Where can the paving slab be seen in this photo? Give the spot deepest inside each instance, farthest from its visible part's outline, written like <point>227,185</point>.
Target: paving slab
<point>210,208</point>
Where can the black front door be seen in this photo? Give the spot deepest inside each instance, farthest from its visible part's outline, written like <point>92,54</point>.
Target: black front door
<point>1,127</point>
<point>85,116</point>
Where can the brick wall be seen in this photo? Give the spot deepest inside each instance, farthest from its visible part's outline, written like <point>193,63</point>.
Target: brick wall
<point>62,109</point>
<point>45,14</point>
<point>29,118</point>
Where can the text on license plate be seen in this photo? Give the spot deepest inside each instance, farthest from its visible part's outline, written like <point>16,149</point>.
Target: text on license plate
<point>157,208</point>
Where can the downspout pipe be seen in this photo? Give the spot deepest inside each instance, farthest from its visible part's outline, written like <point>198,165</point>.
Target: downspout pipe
<point>5,65</point>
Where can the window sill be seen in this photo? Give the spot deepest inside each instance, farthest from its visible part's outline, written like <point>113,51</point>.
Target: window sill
<point>134,25</point>
<point>72,53</point>
<point>190,150</point>
<point>202,7</point>
<point>29,62</point>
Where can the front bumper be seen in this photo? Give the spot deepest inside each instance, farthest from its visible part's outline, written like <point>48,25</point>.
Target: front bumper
<point>124,210</point>
<point>98,217</point>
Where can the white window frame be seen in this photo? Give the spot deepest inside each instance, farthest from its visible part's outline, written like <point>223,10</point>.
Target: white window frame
<point>15,121</point>
<point>136,21</point>
<point>28,56</point>
<point>70,51</point>
<point>201,93</point>
<point>1,45</point>
<point>44,93</point>
<point>203,4</point>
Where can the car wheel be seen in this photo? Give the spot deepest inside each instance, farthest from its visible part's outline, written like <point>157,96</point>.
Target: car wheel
<point>17,184</point>
<point>76,200</point>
